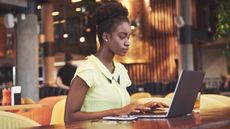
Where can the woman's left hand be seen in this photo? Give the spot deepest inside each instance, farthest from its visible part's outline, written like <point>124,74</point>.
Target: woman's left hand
<point>154,105</point>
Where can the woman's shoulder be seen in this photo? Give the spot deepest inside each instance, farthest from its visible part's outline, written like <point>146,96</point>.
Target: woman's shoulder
<point>86,65</point>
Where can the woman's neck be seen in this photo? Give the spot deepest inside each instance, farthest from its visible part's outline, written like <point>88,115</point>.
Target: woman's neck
<point>106,58</point>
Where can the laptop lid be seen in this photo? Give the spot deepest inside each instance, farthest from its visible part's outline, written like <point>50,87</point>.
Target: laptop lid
<point>187,88</point>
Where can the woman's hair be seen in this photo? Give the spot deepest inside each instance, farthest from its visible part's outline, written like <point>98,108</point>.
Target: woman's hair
<point>108,16</point>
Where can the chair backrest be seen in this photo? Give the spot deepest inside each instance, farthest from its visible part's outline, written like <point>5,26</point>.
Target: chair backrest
<point>58,112</point>
<point>10,120</point>
<point>169,95</point>
<point>28,100</point>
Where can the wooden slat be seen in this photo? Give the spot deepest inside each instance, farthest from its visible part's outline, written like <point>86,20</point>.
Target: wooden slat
<point>160,38</point>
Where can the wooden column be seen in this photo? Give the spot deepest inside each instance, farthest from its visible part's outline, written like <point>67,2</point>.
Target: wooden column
<point>49,58</point>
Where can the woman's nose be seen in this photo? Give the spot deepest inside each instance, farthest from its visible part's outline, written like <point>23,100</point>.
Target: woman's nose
<point>127,43</point>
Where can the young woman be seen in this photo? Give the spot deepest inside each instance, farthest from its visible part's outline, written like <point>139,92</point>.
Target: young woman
<point>99,86</point>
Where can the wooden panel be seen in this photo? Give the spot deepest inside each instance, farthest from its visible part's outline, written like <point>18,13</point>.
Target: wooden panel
<point>2,37</point>
<point>160,42</point>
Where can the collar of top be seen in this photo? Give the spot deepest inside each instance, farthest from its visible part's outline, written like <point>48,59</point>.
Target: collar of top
<point>104,70</point>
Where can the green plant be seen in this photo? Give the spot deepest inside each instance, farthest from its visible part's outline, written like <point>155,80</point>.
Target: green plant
<point>223,19</point>
<point>223,23</point>
<point>223,27</point>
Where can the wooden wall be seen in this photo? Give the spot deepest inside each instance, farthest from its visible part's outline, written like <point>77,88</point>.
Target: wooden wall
<point>2,37</point>
<point>159,39</point>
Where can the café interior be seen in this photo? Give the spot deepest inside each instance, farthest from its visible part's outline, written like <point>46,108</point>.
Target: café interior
<point>168,36</point>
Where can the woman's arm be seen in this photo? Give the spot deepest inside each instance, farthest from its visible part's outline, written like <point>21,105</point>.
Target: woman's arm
<point>75,100</point>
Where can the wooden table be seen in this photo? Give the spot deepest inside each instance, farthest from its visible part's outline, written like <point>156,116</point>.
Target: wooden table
<point>215,118</point>
<point>21,107</point>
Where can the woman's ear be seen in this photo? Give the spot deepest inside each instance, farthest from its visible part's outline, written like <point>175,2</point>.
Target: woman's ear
<point>105,36</point>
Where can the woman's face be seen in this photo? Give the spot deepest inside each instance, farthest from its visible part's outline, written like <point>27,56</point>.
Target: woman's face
<point>119,39</point>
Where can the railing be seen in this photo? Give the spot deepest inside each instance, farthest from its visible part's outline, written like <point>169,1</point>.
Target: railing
<point>212,85</point>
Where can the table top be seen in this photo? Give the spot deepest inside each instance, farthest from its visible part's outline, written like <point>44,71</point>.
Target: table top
<point>21,107</point>
<point>214,118</point>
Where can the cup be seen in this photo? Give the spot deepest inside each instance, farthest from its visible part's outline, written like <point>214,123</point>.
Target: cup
<point>15,95</point>
<point>197,102</point>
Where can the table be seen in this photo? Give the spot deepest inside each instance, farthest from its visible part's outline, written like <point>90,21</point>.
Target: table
<point>215,118</point>
<point>21,107</point>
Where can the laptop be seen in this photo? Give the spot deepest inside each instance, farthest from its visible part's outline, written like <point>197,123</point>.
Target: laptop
<point>187,88</point>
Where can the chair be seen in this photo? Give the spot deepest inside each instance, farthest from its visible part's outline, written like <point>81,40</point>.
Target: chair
<point>27,100</point>
<point>43,115</point>
<point>10,120</point>
<point>169,95</point>
<point>58,112</point>
<point>212,101</point>
<point>139,95</point>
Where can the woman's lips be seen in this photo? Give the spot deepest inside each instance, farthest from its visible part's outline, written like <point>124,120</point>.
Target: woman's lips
<point>125,50</point>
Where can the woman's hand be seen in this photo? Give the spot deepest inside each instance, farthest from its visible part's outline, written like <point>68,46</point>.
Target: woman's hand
<point>154,105</point>
<point>132,108</point>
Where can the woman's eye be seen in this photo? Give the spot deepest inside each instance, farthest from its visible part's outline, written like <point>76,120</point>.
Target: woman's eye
<point>122,36</point>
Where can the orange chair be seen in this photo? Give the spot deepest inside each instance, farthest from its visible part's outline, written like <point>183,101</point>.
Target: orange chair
<point>43,115</point>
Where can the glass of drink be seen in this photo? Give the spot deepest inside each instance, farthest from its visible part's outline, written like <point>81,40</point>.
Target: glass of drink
<point>6,97</point>
<point>197,103</point>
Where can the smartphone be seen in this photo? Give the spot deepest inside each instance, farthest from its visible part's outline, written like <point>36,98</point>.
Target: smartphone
<point>120,118</point>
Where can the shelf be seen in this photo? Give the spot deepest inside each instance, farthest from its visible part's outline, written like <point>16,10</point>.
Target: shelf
<point>216,43</point>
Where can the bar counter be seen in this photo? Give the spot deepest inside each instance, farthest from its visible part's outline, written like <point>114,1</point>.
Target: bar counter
<point>206,119</point>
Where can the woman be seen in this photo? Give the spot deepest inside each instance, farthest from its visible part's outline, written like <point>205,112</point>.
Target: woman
<point>99,86</point>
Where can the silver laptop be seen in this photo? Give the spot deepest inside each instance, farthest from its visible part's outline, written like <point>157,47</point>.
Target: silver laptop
<point>187,88</point>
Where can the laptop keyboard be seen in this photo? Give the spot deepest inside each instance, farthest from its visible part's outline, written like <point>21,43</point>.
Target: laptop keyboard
<point>157,111</point>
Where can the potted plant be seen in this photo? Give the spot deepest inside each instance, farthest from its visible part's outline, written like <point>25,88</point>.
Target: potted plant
<point>223,27</point>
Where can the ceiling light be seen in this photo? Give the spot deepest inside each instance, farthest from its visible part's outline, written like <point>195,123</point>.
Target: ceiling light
<point>82,39</point>
<point>65,35</point>
<point>74,1</point>
<point>56,22</point>
<point>62,21</point>
<point>98,0</point>
<point>83,9</point>
<point>87,29</point>
<point>78,9</point>
<point>55,13</point>
<point>39,7</point>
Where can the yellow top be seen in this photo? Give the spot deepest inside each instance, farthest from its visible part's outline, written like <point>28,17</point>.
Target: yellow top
<point>106,90</point>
